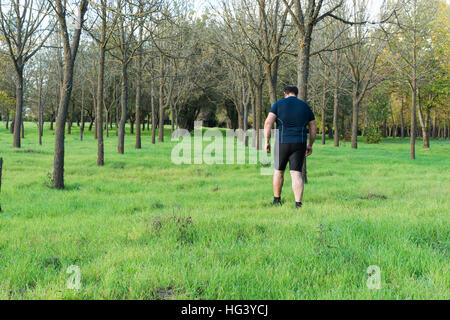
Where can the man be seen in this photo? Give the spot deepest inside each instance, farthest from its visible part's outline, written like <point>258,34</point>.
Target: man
<point>292,115</point>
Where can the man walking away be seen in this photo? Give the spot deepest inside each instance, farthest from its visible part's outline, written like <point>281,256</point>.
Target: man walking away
<point>292,115</point>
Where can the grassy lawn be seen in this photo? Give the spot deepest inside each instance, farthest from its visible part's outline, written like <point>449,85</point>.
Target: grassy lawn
<point>143,228</point>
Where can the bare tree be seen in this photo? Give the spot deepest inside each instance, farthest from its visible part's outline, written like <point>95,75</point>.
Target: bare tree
<point>70,53</point>
<point>362,60</point>
<point>127,48</point>
<point>105,32</point>
<point>129,21</point>
<point>409,34</point>
<point>21,27</point>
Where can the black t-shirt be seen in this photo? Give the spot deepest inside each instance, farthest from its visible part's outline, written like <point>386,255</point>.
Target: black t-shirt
<point>293,115</point>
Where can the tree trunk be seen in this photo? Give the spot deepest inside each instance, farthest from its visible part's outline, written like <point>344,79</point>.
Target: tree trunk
<point>240,114</point>
<point>444,129</point>
<point>172,121</point>
<point>107,123</point>
<point>304,48</point>
<point>58,163</point>
<point>70,54</point>
<point>335,117</point>
<point>152,103</point>
<point>413,121</point>
<point>69,120</point>
<point>402,122</point>
<point>364,128</point>
<point>245,124</point>
<point>355,114</point>
<point>161,103</point>
<point>82,115</point>
<point>272,75</point>
<point>117,120</point>
<point>258,107</point>
<point>41,116</point>
<point>253,103</point>
<point>19,106</point>
<point>427,130</point>
<point>23,127</point>
<point>100,85</point>
<point>433,131</point>
<point>324,104</point>
<point>124,99</point>
<point>139,89</point>
<point>138,111</point>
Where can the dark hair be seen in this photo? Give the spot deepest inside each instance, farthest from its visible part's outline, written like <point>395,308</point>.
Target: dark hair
<point>291,89</point>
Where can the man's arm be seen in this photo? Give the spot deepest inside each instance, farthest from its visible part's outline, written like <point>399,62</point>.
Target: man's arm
<point>268,129</point>
<point>312,137</point>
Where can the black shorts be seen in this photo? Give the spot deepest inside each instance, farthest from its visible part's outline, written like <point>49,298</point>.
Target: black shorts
<point>294,153</point>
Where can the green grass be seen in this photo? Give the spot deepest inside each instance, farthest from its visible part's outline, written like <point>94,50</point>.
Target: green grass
<point>143,228</point>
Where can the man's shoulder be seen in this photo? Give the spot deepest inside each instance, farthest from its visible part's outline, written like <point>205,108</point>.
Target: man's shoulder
<point>276,105</point>
<point>279,102</point>
<point>304,103</point>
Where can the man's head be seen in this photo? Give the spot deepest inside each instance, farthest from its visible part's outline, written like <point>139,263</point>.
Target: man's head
<point>290,90</point>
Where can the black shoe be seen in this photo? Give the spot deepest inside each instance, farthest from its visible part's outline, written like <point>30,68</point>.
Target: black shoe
<point>298,205</point>
<point>277,202</point>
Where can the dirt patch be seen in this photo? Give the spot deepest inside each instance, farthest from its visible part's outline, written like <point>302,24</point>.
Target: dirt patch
<point>373,196</point>
<point>30,151</point>
<point>119,165</point>
<point>157,222</point>
<point>200,172</point>
<point>376,196</point>
<point>52,262</point>
<point>164,293</point>
<point>157,205</point>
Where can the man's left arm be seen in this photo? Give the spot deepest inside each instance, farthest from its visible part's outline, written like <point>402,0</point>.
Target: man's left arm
<point>312,137</point>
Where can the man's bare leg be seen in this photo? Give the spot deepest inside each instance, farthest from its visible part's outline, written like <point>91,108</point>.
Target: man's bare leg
<point>278,180</point>
<point>297,185</point>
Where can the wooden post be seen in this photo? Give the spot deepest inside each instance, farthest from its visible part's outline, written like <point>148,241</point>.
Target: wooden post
<point>1,165</point>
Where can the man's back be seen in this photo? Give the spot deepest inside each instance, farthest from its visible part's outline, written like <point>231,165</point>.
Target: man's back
<point>293,115</point>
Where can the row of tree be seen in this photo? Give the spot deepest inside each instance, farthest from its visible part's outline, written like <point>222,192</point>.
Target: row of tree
<point>106,63</point>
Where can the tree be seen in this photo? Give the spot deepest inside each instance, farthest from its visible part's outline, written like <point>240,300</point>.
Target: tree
<point>362,57</point>
<point>409,32</point>
<point>21,28</point>
<point>105,32</point>
<point>70,54</point>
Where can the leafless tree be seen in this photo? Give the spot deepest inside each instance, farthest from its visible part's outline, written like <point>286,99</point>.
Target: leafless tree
<point>409,33</point>
<point>23,28</point>
<point>70,53</point>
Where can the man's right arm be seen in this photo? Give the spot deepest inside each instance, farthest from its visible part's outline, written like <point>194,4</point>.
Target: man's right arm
<point>268,129</point>
<point>312,137</point>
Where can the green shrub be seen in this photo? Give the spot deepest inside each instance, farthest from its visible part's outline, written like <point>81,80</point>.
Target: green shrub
<point>373,136</point>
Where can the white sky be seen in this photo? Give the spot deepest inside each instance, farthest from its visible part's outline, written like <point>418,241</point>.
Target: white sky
<point>374,7</point>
